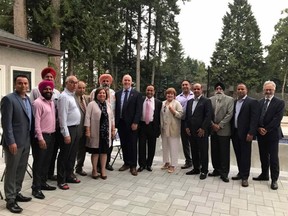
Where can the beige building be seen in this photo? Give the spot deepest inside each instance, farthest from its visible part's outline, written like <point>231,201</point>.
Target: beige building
<point>20,56</point>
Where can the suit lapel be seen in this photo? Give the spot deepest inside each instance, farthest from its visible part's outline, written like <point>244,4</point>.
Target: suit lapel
<point>19,99</point>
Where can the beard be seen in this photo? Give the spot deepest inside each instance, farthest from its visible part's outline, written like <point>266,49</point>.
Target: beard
<point>47,95</point>
<point>219,96</point>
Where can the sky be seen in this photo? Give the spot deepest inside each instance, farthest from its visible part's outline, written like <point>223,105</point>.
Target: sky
<point>200,24</point>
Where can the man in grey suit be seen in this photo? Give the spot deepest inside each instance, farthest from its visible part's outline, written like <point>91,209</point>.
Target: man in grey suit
<point>82,103</point>
<point>222,113</point>
<point>17,123</point>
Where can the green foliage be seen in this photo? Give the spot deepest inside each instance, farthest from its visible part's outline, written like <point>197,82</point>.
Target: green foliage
<point>6,15</point>
<point>238,56</point>
<point>277,58</point>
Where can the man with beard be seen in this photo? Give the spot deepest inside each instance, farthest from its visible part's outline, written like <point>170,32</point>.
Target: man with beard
<point>43,145</point>
<point>269,133</point>
<point>222,112</point>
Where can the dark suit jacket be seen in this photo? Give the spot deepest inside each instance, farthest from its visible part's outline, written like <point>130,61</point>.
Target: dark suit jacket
<point>15,121</point>
<point>247,119</point>
<point>273,116</point>
<point>201,118</point>
<point>156,116</point>
<point>133,111</point>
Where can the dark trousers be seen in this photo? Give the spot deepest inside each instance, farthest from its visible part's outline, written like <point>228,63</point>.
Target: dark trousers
<point>220,154</point>
<point>242,150</point>
<point>15,170</point>
<point>128,140</point>
<point>199,151</point>
<point>58,139</point>
<point>67,156</point>
<point>147,141</point>
<point>41,160</point>
<point>268,150</point>
<point>185,144</point>
<point>81,154</point>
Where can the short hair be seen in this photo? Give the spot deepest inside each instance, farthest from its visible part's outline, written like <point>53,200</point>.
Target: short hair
<point>269,82</point>
<point>170,90</point>
<point>20,75</point>
<point>98,91</point>
<point>185,80</point>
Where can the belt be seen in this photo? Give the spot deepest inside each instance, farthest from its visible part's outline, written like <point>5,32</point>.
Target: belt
<point>73,126</point>
<point>48,134</point>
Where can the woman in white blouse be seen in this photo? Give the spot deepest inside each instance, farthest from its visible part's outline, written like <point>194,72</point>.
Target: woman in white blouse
<point>171,114</point>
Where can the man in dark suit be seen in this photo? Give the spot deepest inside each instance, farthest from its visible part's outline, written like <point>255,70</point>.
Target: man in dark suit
<point>269,133</point>
<point>198,123</point>
<point>18,130</point>
<point>244,127</point>
<point>149,129</point>
<point>127,117</point>
<point>82,102</point>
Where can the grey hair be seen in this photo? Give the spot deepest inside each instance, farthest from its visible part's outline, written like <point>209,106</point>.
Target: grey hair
<point>269,82</point>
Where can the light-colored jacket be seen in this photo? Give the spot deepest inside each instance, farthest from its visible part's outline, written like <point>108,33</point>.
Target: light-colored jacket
<point>224,114</point>
<point>170,124</point>
<point>92,120</point>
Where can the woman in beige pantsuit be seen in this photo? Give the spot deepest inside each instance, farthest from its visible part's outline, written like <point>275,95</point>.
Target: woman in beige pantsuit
<point>170,117</point>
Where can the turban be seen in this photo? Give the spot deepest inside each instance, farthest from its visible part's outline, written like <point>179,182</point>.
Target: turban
<point>105,76</point>
<point>219,84</point>
<point>42,85</point>
<point>48,70</point>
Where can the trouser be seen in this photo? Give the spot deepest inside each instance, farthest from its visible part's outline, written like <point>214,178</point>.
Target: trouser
<point>16,166</point>
<point>170,147</point>
<point>185,144</point>
<point>42,160</point>
<point>220,154</point>
<point>67,156</point>
<point>81,153</point>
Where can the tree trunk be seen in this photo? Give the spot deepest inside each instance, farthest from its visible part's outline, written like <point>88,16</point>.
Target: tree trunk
<point>138,47</point>
<point>55,41</point>
<point>283,86</point>
<point>20,18</point>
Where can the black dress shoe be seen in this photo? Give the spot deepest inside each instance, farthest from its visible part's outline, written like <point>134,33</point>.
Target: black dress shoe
<point>186,165</point>
<point>245,183</point>
<point>21,198</point>
<point>274,185</point>
<point>123,168</point>
<point>38,194</point>
<point>81,172</point>
<point>140,169</point>
<point>237,177</point>
<point>14,207</point>
<point>149,168</point>
<point>224,179</point>
<point>261,178</point>
<point>193,172</point>
<point>214,173</point>
<point>203,176</point>
<point>109,167</point>
<point>47,187</point>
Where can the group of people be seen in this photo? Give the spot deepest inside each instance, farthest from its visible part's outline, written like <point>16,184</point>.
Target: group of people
<point>73,124</point>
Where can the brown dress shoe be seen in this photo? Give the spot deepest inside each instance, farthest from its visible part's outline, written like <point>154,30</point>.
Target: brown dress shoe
<point>124,167</point>
<point>133,171</point>
<point>245,183</point>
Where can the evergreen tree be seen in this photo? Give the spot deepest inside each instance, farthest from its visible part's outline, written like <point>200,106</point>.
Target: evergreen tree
<point>277,58</point>
<point>238,55</point>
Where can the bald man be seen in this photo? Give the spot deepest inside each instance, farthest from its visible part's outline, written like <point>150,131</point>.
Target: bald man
<point>128,113</point>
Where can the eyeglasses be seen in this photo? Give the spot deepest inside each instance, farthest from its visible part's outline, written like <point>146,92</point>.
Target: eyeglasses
<point>73,82</point>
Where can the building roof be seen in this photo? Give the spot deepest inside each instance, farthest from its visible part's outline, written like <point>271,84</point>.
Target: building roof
<point>10,40</point>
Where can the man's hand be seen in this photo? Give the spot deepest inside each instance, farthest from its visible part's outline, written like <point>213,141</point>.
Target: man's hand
<point>262,131</point>
<point>200,132</point>
<point>67,140</point>
<point>188,131</point>
<point>13,148</point>
<point>42,144</point>
<point>215,127</point>
<point>249,137</point>
<point>134,127</point>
